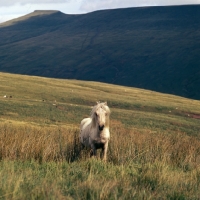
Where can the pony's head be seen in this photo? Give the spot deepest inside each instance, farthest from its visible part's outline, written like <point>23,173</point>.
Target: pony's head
<point>100,115</point>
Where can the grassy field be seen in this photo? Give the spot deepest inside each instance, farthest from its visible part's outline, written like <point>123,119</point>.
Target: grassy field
<point>154,152</point>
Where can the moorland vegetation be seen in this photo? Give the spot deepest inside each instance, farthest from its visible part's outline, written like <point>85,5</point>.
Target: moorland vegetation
<point>154,151</point>
<point>155,48</point>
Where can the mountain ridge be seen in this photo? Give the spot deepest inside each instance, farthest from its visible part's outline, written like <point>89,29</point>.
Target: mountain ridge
<point>154,48</point>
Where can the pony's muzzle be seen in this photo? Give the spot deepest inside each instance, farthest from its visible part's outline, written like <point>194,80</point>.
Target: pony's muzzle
<point>101,128</point>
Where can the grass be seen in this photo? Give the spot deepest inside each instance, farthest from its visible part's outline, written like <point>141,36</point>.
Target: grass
<point>153,152</point>
<point>37,164</point>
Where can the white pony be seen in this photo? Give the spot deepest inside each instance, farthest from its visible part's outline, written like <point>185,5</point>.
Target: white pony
<point>94,131</point>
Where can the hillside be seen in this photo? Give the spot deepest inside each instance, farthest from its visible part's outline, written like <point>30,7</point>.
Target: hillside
<point>153,151</point>
<point>155,48</point>
<point>45,101</point>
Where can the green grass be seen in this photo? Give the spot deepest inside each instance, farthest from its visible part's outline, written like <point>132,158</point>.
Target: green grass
<point>33,98</point>
<point>91,180</point>
<point>153,151</point>
<point>141,165</point>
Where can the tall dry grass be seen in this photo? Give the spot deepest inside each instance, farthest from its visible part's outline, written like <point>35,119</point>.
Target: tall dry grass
<point>161,164</point>
<point>25,142</point>
<point>178,150</point>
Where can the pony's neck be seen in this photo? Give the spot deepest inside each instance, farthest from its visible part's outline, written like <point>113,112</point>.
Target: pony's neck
<point>94,124</point>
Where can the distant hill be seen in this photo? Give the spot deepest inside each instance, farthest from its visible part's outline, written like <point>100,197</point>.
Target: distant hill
<point>156,48</point>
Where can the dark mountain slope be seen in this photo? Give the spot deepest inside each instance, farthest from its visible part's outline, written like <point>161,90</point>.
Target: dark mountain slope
<point>156,48</point>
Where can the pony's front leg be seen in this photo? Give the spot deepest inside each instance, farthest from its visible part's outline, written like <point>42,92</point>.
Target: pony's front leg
<point>104,151</point>
<point>93,151</point>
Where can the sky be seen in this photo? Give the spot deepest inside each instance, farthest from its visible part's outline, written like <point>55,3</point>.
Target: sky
<point>10,9</point>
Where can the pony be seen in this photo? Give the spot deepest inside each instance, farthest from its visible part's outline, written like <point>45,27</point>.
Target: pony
<point>94,131</point>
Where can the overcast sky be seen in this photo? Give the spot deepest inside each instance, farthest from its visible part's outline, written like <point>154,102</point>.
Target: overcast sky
<point>10,9</point>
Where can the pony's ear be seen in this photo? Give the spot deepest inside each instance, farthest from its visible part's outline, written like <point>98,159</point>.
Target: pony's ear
<point>105,103</point>
<point>98,102</point>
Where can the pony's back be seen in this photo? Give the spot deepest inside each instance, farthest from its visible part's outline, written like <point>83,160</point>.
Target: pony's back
<point>84,131</point>
<point>85,122</point>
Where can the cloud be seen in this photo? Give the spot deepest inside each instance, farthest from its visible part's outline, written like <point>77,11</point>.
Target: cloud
<point>9,11</point>
<point>24,2</point>
<point>14,8</point>
<point>91,5</point>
